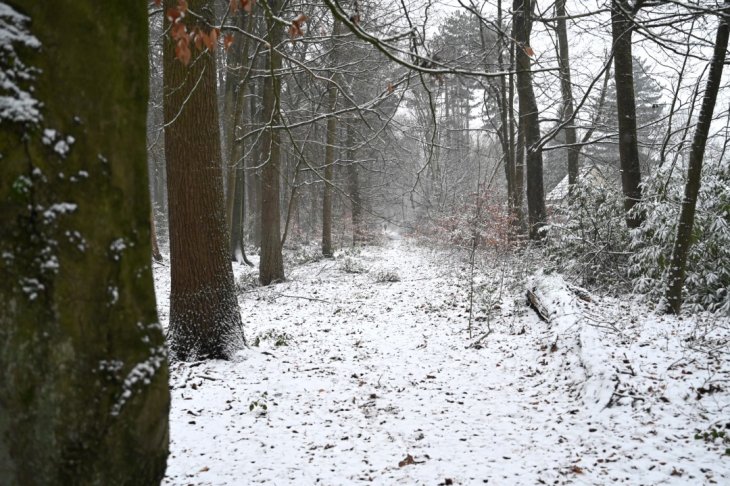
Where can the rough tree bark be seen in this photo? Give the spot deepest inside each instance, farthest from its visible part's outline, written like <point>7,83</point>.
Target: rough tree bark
<point>205,320</point>
<point>271,266</point>
<point>529,119</point>
<point>621,29</point>
<point>566,87</point>
<point>83,368</point>
<point>687,215</point>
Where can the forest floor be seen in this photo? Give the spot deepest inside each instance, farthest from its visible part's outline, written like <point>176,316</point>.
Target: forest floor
<point>351,378</point>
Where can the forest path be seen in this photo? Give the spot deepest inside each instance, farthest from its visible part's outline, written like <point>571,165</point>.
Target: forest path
<point>376,383</point>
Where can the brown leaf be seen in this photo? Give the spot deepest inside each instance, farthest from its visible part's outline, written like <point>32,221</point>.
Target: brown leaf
<point>248,5</point>
<point>182,52</point>
<point>407,461</point>
<point>178,32</point>
<point>227,41</point>
<point>211,39</point>
<point>576,469</point>
<point>198,39</point>
<point>234,4</point>
<point>528,50</point>
<point>295,29</point>
<point>173,14</point>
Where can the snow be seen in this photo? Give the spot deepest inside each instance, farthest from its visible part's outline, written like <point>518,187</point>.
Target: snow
<point>378,381</point>
<point>17,103</point>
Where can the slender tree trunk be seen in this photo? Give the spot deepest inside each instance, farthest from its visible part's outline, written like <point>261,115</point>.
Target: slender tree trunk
<point>236,197</point>
<point>529,120</point>
<point>329,161</point>
<point>205,320</point>
<point>232,111</point>
<point>566,87</point>
<point>329,156</point>
<point>253,179</point>
<point>353,183</point>
<point>687,215</point>
<point>516,146</point>
<point>156,255</point>
<point>84,397</point>
<point>271,267</point>
<point>621,28</point>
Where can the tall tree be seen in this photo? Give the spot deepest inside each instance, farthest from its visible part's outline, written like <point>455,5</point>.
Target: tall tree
<point>353,186</point>
<point>329,157</point>
<point>234,108</point>
<point>621,30</point>
<point>271,266</point>
<point>83,366</point>
<point>536,212</point>
<point>566,87</point>
<point>683,239</point>
<point>205,320</point>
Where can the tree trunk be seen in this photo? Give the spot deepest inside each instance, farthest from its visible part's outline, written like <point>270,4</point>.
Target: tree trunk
<point>353,183</point>
<point>566,87</point>
<point>621,28</point>
<point>529,120</point>
<point>271,267</point>
<point>687,215</point>
<point>205,320</point>
<point>516,146</point>
<point>156,255</point>
<point>329,161</point>
<point>83,368</point>
<point>236,197</point>
<point>329,155</point>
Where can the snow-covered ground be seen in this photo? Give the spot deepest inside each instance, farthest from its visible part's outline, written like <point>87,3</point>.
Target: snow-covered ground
<point>353,379</point>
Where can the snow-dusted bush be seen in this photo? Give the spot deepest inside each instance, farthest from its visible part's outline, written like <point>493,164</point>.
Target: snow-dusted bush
<point>303,254</point>
<point>588,239</point>
<point>349,264</point>
<point>470,217</point>
<point>248,280</point>
<point>387,275</point>
<point>708,263</point>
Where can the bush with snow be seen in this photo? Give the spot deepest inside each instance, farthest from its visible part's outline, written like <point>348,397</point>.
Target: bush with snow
<point>588,239</point>
<point>349,264</point>
<point>385,275</point>
<point>708,264</point>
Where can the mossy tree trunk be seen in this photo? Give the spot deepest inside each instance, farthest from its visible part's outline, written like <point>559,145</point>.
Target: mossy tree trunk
<point>83,367</point>
<point>205,320</point>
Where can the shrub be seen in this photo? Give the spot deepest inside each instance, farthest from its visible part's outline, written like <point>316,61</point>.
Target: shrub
<point>708,262</point>
<point>588,239</point>
<point>387,275</point>
<point>352,265</point>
